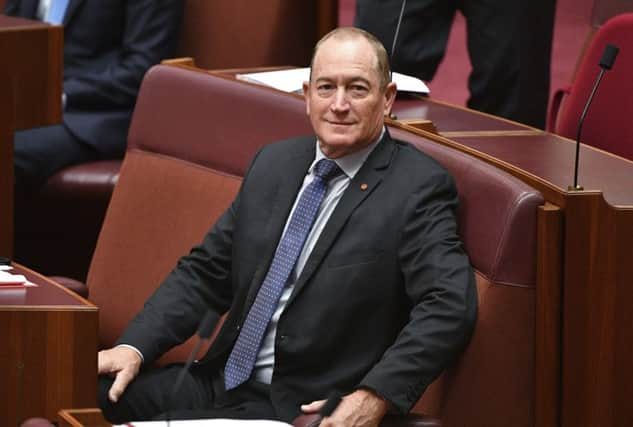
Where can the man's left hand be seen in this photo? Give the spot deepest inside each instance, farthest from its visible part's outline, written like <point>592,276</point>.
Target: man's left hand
<point>362,408</point>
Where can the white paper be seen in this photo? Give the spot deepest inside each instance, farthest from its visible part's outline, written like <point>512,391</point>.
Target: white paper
<point>219,422</point>
<point>11,279</point>
<point>5,267</point>
<point>291,80</point>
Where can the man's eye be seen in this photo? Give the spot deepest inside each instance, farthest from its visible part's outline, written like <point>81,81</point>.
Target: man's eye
<point>325,87</point>
<point>359,90</point>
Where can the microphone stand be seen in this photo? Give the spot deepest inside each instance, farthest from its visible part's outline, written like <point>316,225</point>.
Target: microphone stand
<point>577,187</point>
<point>204,333</point>
<point>606,62</point>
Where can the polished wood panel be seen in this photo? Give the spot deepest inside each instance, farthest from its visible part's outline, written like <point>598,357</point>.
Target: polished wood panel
<point>451,118</point>
<point>31,91</point>
<point>548,316</point>
<point>6,165</point>
<point>48,354</point>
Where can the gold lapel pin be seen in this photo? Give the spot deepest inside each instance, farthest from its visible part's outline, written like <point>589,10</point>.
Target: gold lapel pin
<point>363,186</point>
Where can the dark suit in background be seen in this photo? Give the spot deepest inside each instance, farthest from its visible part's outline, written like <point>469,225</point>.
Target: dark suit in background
<point>108,47</point>
<point>386,299</point>
<point>509,44</point>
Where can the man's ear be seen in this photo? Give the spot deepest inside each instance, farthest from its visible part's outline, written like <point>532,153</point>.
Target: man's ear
<point>306,96</point>
<point>390,97</point>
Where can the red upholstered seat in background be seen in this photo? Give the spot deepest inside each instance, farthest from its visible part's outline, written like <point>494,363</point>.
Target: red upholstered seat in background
<point>609,124</point>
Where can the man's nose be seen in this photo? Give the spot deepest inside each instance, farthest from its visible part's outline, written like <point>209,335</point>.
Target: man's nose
<point>340,101</point>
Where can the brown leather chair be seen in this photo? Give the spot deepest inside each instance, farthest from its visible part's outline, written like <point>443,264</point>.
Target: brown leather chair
<point>191,138</point>
<point>190,142</point>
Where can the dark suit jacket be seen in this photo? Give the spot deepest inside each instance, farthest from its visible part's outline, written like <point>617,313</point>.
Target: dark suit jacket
<point>108,47</point>
<point>386,299</point>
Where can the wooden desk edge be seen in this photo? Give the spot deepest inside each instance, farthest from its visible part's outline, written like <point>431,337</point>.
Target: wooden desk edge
<point>79,418</point>
<point>86,305</point>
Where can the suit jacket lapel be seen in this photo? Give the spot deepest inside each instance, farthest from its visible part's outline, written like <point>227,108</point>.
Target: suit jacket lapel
<point>366,180</point>
<point>297,166</point>
<point>71,9</point>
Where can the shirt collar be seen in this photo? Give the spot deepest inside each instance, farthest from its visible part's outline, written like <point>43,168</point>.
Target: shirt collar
<point>351,163</point>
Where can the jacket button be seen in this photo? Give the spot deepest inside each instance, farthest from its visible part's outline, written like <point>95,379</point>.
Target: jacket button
<point>238,327</point>
<point>283,337</point>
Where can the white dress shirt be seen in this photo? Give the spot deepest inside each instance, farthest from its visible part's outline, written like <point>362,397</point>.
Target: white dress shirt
<point>350,165</point>
<point>42,9</point>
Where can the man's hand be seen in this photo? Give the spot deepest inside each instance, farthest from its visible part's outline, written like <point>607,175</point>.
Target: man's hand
<point>362,408</point>
<point>123,364</point>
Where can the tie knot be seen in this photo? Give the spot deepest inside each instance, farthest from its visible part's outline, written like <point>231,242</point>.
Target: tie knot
<point>327,169</point>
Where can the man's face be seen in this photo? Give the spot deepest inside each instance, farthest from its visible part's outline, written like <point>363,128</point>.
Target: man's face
<point>343,98</point>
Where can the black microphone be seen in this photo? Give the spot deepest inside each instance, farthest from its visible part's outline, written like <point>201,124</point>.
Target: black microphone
<point>205,330</point>
<point>606,62</point>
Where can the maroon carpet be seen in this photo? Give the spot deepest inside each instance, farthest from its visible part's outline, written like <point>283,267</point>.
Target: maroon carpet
<point>571,29</point>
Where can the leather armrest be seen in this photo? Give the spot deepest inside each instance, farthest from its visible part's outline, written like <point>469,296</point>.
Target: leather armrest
<point>37,422</point>
<point>557,99</point>
<point>410,420</point>
<point>76,286</point>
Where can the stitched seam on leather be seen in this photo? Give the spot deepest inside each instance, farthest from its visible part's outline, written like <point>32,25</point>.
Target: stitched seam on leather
<point>186,162</point>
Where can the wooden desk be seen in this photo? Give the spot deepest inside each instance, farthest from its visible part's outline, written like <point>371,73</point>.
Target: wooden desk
<point>48,351</point>
<point>30,96</point>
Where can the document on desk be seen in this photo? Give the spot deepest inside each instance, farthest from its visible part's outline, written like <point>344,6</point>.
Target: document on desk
<point>291,80</point>
<point>220,422</point>
<point>8,280</point>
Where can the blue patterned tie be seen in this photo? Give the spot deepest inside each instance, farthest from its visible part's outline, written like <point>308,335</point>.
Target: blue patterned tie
<point>56,12</point>
<point>241,361</point>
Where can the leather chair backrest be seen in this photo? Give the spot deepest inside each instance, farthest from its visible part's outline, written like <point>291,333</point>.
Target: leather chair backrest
<point>493,382</point>
<point>191,138</point>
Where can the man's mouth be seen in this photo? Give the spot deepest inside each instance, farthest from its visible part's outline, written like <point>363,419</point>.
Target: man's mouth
<point>333,122</point>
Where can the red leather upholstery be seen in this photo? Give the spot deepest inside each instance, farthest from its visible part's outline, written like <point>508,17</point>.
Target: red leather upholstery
<point>37,422</point>
<point>192,137</point>
<point>608,123</point>
<point>76,286</point>
<point>57,228</point>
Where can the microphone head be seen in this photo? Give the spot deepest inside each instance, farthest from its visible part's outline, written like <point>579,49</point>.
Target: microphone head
<point>207,325</point>
<point>608,56</point>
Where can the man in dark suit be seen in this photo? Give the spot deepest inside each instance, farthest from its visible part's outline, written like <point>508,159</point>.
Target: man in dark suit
<point>339,264</point>
<point>108,47</point>
<point>509,46</point>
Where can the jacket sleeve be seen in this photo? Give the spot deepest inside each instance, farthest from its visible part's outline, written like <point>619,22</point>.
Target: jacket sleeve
<point>150,35</point>
<point>439,282</point>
